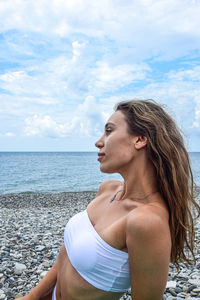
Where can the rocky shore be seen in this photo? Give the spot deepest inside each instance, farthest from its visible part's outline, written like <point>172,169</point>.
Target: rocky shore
<point>31,233</point>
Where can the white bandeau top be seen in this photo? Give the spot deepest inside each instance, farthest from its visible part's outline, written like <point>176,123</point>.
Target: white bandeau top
<point>100,264</point>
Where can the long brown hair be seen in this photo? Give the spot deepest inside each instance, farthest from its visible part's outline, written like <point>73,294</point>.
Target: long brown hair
<point>166,150</point>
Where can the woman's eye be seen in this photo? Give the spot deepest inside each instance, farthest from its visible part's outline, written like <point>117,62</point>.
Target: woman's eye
<point>108,130</point>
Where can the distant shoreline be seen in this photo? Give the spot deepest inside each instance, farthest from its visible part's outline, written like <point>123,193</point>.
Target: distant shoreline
<point>48,199</point>
<point>25,200</point>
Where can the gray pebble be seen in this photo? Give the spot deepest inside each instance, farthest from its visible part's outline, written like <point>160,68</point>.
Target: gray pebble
<point>178,290</point>
<point>195,281</point>
<point>172,291</point>
<point>191,288</point>
<point>19,268</point>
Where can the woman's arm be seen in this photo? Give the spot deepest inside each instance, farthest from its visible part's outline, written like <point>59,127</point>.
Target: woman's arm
<point>44,287</point>
<point>149,246</point>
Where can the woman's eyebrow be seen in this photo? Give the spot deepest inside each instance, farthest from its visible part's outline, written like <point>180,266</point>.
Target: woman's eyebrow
<point>108,124</point>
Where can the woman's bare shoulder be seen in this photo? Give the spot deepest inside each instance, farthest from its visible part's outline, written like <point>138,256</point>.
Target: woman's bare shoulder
<point>148,219</point>
<point>109,185</point>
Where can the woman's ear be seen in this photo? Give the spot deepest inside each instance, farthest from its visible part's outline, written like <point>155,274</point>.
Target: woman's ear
<point>140,142</point>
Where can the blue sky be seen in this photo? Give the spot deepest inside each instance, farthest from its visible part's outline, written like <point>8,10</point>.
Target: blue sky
<point>65,63</point>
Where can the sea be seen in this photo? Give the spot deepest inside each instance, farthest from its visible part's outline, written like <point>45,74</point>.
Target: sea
<point>55,172</point>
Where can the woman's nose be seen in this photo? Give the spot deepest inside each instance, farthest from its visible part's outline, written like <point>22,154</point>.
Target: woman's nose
<point>99,143</point>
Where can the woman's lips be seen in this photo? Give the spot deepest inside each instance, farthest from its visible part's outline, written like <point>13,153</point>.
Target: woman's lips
<point>100,156</point>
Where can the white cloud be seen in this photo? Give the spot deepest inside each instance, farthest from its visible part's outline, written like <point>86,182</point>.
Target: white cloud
<point>32,88</point>
<point>64,79</point>
<point>77,50</point>
<point>9,134</point>
<point>178,90</point>
<point>87,120</point>
<point>197,118</point>
<point>45,126</point>
<point>143,29</point>
<point>191,74</point>
<point>111,78</point>
<point>196,122</point>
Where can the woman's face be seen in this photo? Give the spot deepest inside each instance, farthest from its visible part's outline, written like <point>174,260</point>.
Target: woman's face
<point>116,145</point>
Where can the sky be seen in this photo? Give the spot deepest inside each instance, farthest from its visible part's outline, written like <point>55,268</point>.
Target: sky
<point>64,64</point>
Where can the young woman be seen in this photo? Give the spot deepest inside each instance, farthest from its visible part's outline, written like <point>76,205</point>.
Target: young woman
<point>131,231</point>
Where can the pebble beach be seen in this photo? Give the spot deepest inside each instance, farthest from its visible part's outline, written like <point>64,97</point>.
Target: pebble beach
<point>31,233</point>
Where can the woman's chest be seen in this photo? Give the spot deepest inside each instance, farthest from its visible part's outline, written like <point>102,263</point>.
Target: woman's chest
<point>109,223</point>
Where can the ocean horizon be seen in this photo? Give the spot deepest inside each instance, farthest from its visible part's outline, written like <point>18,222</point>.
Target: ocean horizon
<point>56,172</point>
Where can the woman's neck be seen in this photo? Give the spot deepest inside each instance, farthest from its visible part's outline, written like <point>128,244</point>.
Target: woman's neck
<point>139,179</point>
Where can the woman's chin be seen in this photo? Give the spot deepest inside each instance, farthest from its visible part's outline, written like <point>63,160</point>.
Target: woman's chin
<point>107,170</point>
